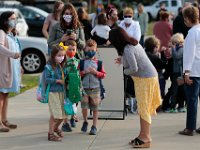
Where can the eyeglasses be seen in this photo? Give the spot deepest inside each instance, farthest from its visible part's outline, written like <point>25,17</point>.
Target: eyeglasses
<point>127,16</point>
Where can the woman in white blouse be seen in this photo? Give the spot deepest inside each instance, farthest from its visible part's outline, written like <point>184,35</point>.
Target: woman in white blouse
<point>191,69</point>
<point>129,25</point>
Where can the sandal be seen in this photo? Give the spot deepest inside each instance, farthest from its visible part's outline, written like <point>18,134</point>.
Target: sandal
<point>59,132</point>
<point>9,125</point>
<point>132,142</point>
<point>141,144</point>
<point>53,137</point>
<point>3,128</point>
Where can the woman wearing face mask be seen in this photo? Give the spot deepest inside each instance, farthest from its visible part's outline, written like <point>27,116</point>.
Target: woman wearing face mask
<point>10,66</point>
<point>68,28</point>
<point>52,18</point>
<point>129,25</point>
<point>133,29</point>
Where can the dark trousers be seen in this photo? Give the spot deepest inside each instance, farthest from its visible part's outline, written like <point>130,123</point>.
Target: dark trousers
<point>192,94</point>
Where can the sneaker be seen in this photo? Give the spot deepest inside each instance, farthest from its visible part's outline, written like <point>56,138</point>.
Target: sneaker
<point>173,110</point>
<point>182,109</point>
<point>167,110</point>
<point>73,122</point>
<point>93,130</point>
<point>84,127</point>
<point>66,127</point>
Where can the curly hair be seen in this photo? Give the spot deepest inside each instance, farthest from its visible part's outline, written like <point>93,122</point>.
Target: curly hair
<point>192,13</point>
<point>75,21</point>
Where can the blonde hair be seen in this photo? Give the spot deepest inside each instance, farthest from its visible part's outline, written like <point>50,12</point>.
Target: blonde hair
<point>127,10</point>
<point>177,38</point>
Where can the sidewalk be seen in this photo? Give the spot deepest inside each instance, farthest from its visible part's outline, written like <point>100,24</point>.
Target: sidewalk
<point>32,119</point>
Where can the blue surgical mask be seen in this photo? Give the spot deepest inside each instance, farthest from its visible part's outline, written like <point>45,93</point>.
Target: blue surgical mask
<point>99,10</point>
<point>12,24</point>
<point>90,54</point>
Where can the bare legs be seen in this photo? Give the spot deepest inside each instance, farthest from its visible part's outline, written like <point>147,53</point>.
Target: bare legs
<point>145,134</point>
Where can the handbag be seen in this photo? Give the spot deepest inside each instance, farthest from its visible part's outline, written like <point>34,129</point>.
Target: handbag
<point>68,107</point>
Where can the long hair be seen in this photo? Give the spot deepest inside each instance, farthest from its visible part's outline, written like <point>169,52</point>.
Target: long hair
<point>57,4</point>
<point>55,49</point>
<point>4,20</point>
<point>75,24</point>
<point>119,39</point>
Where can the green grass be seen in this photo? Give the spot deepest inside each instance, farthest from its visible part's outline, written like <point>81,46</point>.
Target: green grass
<point>30,81</point>
<point>150,28</point>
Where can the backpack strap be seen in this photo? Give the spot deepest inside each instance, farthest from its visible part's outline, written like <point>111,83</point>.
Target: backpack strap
<point>82,64</point>
<point>99,65</point>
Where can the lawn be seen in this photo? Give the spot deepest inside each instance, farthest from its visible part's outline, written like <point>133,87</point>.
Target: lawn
<point>30,81</point>
<point>150,28</point>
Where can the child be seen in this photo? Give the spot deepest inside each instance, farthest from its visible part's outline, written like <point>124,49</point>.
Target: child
<point>177,55</point>
<point>101,30</point>
<point>90,81</point>
<point>56,92</point>
<point>152,45</point>
<point>71,63</point>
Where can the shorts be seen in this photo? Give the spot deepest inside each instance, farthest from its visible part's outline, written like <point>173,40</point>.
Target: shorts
<point>91,99</point>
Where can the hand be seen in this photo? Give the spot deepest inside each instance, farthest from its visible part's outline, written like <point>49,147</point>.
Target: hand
<point>17,55</point>
<point>72,36</point>
<point>93,70</point>
<point>187,80</point>
<point>118,60</point>
<point>163,48</point>
<point>60,82</point>
<point>64,38</point>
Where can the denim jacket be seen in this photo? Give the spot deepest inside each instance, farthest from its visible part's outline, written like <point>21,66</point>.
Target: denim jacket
<point>57,75</point>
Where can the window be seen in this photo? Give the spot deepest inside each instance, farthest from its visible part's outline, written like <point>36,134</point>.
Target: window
<point>174,3</point>
<point>165,2</point>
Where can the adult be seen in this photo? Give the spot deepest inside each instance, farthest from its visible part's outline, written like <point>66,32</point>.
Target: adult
<point>142,17</point>
<point>191,62</point>
<point>138,66</point>
<point>69,28</point>
<point>52,18</point>
<point>163,30</point>
<point>93,16</point>
<point>178,23</point>
<point>112,16</point>
<point>10,66</point>
<point>84,19</point>
<point>160,11</point>
<point>129,25</point>
<point>133,29</point>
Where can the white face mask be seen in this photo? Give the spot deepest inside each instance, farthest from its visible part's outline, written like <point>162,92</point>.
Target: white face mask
<point>67,18</point>
<point>128,20</point>
<point>59,59</point>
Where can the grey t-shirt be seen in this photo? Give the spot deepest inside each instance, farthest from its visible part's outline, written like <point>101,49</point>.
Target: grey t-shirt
<point>50,21</point>
<point>136,63</point>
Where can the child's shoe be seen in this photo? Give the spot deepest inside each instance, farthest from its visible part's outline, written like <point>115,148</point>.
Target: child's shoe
<point>173,110</point>
<point>93,130</point>
<point>73,122</point>
<point>84,127</point>
<point>66,127</point>
<point>182,109</point>
<point>53,137</point>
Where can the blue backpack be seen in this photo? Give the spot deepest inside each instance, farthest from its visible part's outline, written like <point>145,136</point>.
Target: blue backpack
<point>43,88</point>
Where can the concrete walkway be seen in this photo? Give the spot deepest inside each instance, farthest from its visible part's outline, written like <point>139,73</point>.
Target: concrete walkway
<point>32,119</point>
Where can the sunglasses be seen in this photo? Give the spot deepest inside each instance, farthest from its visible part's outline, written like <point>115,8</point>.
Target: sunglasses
<point>127,16</point>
